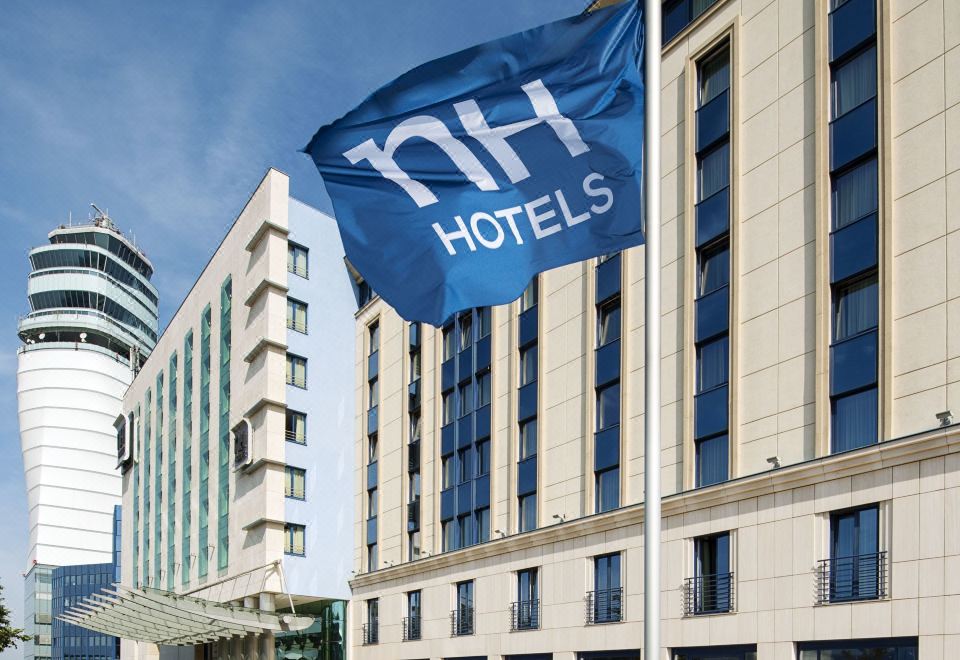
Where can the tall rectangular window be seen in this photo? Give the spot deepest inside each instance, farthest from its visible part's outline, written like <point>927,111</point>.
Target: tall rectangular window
<point>463,614</point>
<point>712,246</point>
<point>606,462</point>
<point>711,589</point>
<point>296,371</point>
<point>297,259</point>
<point>294,542</point>
<point>158,484</point>
<point>172,471</point>
<point>678,14</point>
<point>296,315</point>
<point>223,450</point>
<point>295,483</point>
<point>413,449</point>
<point>296,427</point>
<point>854,237</point>
<point>605,602</point>
<point>203,539</point>
<point>526,609</point>
<point>186,549</point>
<point>856,569</point>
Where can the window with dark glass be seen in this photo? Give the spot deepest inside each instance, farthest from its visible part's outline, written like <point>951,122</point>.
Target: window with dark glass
<point>678,14</point>
<point>856,569</point>
<point>714,268</point>
<point>528,512</point>
<point>528,365</point>
<point>295,484</point>
<point>483,322</point>
<point>463,615</point>
<point>465,398</point>
<point>465,462</point>
<point>447,404</point>
<point>447,339</point>
<point>446,469</point>
<point>528,439</point>
<point>483,458</point>
<point>605,602</point>
<point>483,389</point>
<point>526,610</point>
<point>412,624</point>
<point>609,323</point>
<point>711,589</point>
<point>608,406</point>
<point>296,427</point>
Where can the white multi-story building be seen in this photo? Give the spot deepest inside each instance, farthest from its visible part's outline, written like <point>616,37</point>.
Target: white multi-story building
<point>93,319</point>
<point>236,453</point>
<point>810,321</point>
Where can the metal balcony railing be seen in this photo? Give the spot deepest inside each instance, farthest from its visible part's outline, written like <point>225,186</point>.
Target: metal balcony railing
<point>859,577</point>
<point>297,326</point>
<point>525,615</point>
<point>461,621</point>
<point>604,606</point>
<point>411,628</point>
<point>371,632</point>
<point>708,594</point>
<point>299,438</point>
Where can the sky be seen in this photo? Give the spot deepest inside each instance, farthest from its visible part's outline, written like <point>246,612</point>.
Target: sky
<point>167,115</point>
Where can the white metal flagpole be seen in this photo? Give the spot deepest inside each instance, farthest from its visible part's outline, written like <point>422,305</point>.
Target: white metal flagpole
<point>651,182</point>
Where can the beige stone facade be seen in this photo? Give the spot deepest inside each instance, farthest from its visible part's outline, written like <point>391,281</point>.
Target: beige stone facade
<point>780,407</point>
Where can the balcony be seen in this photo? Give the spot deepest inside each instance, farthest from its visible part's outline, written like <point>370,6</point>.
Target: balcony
<point>371,633</point>
<point>525,615</point>
<point>411,628</point>
<point>461,621</point>
<point>604,606</point>
<point>846,579</point>
<point>708,594</point>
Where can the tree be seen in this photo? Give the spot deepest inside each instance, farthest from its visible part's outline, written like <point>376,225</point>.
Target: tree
<point>9,636</point>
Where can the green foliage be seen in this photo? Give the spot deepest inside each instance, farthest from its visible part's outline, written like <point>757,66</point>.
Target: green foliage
<point>9,636</point>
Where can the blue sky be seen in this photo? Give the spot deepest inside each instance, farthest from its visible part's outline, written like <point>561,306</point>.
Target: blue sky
<point>168,114</point>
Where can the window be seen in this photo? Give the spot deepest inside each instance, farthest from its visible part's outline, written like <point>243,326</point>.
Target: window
<point>483,389</point>
<point>296,428</point>
<point>483,525</point>
<point>854,82</point>
<point>711,460</point>
<point>713,171</point>
<point>714,268</point>
<point>371,557</point>
<point>897,648</point>
<point>528,365</point>
<point>296,371</point>
<point>855,308</point>
<point>483,458</point>
<point>413,545</point>
<point>464,531</point>
<point>415,427</point>
<point>446,468</point>
<point>373,392</point>
<point>372,503</point>
<point>712,363</point>
<point>711,588</point>
<point>466,331</point>
<point>608,489</point>
<point>484,322</point>
<point>465,461</point>
<point>678,14</point>
<point>448,529</point>
<point>448,400</point>
<point>608,406</point>
<point>856,569</point>
<point>714,76</point>
<point>855,420</point>
<point>447,343</point>
<point>528,439</point>
<point>371,629</point>
<point>296,315</point>
<point>414,366</point>
<point>372,448</point>
<point>374,331</point>
<point>608,325</point>
<point>297,259</point>
<point>295,483</point>
<point>414,484</point>
<point>293,543</point>
<point>855,194</point>
<point>411,628</point>
<point>526,610</point>
<point>529,297</point>
<point>528,512</point>
<point>466,398</point>
<point>463,614</point>
<point>605,602</point>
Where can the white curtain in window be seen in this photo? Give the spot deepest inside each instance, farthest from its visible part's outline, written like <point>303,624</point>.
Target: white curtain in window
<point>855,82</point>
<point>855,194</point>
<point>856,309</point>
<point>714,171</point>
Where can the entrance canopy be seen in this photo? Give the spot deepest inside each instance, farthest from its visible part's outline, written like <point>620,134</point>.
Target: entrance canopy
<point>162,617</point>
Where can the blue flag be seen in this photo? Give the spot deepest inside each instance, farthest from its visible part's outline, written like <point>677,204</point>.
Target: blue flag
<point>460,180</point>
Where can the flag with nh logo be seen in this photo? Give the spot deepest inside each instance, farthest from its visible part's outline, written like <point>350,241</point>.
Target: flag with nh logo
<point>457,182</point>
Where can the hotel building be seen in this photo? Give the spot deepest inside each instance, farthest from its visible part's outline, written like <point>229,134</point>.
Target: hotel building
<point>811,357</point>
<point>234,447</point>
<point>92,321</point>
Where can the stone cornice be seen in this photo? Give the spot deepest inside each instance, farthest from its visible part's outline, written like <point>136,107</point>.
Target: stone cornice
<point>261,231</point>
<point>921,446</point>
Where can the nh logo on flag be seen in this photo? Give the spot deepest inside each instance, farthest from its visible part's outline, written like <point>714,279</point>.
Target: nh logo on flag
<point>457,182</point>
<point>493,140</point>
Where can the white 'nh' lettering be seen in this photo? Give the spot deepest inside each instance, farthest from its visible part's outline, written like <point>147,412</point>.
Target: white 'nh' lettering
<point>494,140</point>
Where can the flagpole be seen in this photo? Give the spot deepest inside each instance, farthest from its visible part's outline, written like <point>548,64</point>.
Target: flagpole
<point>651,494</point>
